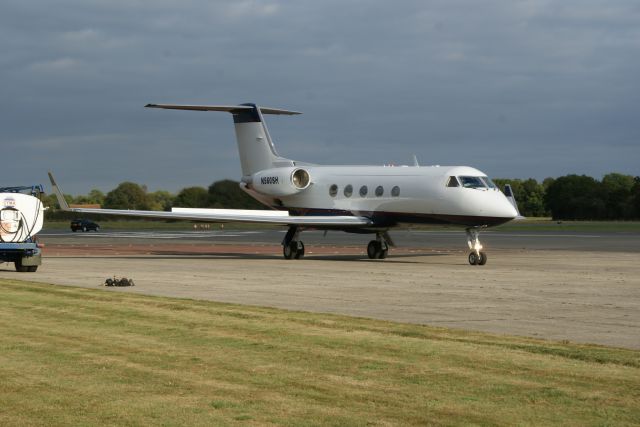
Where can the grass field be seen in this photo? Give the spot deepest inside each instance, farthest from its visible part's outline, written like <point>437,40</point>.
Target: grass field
<point>547,224</point>
<point>71,356</point>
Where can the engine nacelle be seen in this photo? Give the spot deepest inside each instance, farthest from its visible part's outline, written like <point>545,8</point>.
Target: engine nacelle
<point>281,181</point>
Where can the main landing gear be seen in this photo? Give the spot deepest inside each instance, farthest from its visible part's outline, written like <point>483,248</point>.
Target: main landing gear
<point>476,257</point>
<point>292,248</point>
<point>379,248</point>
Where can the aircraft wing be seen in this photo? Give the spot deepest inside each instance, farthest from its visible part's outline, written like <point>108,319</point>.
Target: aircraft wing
<point>223,215</point>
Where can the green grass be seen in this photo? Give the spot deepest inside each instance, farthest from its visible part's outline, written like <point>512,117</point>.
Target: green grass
<point>71,356</point>
<point>547,224</point>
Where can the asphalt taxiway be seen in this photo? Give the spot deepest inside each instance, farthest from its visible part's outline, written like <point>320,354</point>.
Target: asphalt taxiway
<point>453,239</point>
<point>580,287</point>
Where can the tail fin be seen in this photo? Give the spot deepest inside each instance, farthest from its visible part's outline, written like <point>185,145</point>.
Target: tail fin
<point>255,146</point>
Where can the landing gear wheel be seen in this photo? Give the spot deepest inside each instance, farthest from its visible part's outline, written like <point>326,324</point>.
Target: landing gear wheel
<point>293,250</point>
<point>289,250</point>
<point>373,249</point>
<point>377,250</point>
<point>32,268</point>
<point>299,250</point>
<point>474,259</point>
<point>483,258</point>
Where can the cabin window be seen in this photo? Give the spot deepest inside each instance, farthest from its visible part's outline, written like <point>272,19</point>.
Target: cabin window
<point>379,191</point>
<point>333,190</point>
<point>363,191</point>
<point>348,190</point>
<point>453,182</point>
<point>472,182</point>
<point>395,191</point>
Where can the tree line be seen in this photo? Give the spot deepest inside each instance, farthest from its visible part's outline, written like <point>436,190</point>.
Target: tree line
<point>570,197</point>
<point>225,194</point>
<point>578,197</point>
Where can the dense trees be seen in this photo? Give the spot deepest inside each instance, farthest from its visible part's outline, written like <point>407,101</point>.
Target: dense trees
<point>228,194</point>
<point>579,197</point>
<point>617,190</point>
<point>575,197</point>
<point>127,195</point>
<point>192,197</point>
<point>160,200</point>
<point>529,195</point>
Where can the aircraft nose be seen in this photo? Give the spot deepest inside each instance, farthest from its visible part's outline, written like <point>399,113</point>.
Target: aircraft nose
<point>507,209</point>
<point>501,206</point>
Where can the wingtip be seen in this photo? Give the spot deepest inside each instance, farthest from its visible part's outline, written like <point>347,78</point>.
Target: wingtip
<point>53,181</point>
<point>59,195</point>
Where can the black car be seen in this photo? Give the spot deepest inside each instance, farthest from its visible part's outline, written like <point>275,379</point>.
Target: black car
<point>84,225</point>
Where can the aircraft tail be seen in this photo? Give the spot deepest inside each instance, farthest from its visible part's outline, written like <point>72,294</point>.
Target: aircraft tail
<point>256,149</point>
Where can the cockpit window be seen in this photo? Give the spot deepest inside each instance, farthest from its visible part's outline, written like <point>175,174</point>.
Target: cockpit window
<point>453,182</point>
<point>472,182</point>
<point>488,182</point>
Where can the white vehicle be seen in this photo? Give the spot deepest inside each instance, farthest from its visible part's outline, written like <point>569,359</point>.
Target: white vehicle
<point>357,199</point>
<point>21,218</point>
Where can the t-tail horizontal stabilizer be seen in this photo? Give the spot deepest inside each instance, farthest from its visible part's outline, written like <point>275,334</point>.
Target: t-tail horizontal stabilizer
<point>228,108</point>
<point>255,146</point>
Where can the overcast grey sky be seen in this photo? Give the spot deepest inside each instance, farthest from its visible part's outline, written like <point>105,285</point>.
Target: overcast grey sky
<point>515,88</point>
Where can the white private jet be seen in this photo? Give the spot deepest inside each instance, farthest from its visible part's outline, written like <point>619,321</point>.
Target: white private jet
<point>355,199</point>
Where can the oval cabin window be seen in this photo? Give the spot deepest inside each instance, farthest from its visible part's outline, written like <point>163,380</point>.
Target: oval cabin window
<point>348,190</point>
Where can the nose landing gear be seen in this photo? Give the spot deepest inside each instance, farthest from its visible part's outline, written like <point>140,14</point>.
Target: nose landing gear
<point>476,257</point>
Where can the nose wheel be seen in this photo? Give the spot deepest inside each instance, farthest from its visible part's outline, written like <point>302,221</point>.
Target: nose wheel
<point>476,257</point>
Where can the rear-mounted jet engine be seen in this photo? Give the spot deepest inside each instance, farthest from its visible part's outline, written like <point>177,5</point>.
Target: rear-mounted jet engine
<point>281,181</point>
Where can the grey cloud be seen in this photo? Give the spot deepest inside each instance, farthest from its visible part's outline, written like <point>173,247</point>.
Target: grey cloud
<point>516,88</point>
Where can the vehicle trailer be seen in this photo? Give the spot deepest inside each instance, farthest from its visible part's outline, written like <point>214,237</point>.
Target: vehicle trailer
<point>21,217</point>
